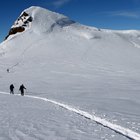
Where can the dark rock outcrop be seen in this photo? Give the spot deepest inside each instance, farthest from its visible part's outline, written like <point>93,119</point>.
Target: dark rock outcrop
<point>15,30</point>
<point>20,24</point>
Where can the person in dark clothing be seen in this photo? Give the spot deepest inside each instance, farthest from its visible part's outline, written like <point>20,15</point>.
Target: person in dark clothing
<point>11,89</point>
<point>8,70</point>
<point>22,89</point>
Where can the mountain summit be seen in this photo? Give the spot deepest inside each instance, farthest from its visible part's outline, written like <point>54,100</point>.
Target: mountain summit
<point>63,39</point>
<point>39,20</point>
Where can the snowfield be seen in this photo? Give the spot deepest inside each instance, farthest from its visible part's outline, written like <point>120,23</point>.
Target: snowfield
<point>29,131</point>
<point>92,77</point>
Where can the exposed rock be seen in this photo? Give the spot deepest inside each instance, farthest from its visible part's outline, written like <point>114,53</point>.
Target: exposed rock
<point>15,30</point>
<point>20,24</point>
<point>25,14</point>
<point>30,19</point>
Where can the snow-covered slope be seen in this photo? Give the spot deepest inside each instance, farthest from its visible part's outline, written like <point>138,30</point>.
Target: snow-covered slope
<point>93,69</point>
<point>31,119</point>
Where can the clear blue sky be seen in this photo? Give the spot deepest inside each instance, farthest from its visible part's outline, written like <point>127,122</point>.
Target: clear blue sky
<point>111,14</point>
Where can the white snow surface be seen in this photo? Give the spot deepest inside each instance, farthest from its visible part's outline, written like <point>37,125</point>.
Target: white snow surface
<point>116,128</point>
<point>96,71</point>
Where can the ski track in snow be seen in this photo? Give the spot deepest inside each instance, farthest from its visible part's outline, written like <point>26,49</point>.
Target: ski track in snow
<point>117,128</point>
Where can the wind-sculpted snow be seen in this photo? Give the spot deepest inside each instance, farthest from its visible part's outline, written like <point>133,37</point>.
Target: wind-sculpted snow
<point>118,129</point>
<point>45,20</point>
<point>39,20</point>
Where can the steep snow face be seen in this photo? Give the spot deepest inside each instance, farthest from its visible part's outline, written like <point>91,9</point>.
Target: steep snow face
<point>39,20</point>
<point>45,20</point>
<point>97,70</point>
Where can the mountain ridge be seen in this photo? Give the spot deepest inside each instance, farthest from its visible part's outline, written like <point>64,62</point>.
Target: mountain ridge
<point>45,20</point>
<point>41,20</point>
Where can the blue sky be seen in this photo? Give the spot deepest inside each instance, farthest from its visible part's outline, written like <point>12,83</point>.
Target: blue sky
<point>110,14</point>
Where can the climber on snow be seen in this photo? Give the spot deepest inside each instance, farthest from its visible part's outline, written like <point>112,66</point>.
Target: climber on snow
<point>22,89</point>
<point>12,89</point>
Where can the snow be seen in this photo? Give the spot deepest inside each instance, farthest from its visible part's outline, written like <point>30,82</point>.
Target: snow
<point>95,72</point>
<point>25,118</point>
<point>45,20</point>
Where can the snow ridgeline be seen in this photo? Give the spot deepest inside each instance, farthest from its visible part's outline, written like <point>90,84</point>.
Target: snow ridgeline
<point>117,128</point>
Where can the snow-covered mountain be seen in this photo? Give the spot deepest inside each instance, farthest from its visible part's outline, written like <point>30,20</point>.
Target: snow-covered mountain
<point>39,20</point>
<point>92,69</point>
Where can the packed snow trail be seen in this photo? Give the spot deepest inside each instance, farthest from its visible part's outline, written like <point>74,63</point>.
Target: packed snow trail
<point>117,128</point>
